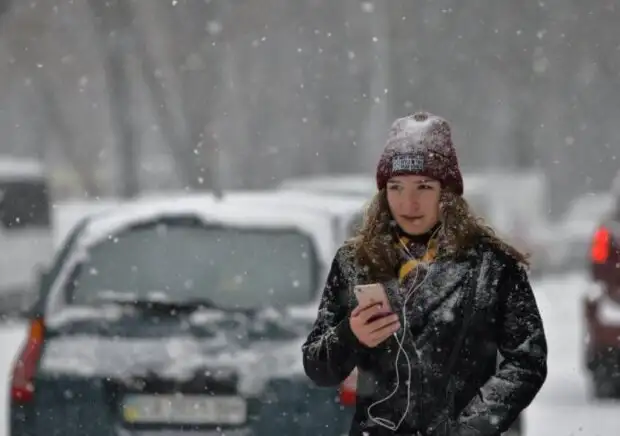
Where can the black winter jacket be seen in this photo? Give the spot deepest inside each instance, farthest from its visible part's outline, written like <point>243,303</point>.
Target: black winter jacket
<point>476,397</point>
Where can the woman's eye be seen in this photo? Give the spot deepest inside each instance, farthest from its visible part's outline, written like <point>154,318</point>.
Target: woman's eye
<point>394,188</point>
<point>426,187</point>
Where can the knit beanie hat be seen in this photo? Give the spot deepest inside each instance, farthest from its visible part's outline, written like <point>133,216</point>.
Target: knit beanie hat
<point>421,144</point>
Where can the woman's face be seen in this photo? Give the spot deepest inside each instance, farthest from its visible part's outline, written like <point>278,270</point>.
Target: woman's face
<point>414,202</point>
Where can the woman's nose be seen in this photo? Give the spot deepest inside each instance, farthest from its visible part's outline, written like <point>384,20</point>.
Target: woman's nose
<point>411,204</point>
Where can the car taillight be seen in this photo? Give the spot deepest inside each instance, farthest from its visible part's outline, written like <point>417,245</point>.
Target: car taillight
<point>600,245</point>
<point>22,387</point>
<point>348,390</point>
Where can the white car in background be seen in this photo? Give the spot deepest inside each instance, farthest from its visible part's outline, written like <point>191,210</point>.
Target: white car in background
<point>567,240</point>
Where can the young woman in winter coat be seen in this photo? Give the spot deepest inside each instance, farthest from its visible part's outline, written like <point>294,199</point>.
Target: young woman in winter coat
<point>461,349</point>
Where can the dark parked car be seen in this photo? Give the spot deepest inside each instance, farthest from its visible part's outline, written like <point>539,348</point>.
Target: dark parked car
<point>602,306</point>
<point>177,316</point>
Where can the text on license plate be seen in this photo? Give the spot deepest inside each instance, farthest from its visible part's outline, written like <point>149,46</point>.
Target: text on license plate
<point>184,409</point>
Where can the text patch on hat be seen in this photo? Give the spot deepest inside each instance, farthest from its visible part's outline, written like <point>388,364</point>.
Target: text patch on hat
<point>408,163</point>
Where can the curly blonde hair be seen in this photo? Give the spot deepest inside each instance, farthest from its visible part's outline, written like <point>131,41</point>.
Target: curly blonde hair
<point>375,251</point>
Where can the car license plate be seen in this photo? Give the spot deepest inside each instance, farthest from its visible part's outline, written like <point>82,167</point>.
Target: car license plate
<point>184,409</point>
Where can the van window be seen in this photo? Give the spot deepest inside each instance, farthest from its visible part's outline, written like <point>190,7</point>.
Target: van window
<point>24,204</point>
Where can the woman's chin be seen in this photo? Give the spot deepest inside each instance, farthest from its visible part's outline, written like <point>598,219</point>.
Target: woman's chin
<point>416,229</point>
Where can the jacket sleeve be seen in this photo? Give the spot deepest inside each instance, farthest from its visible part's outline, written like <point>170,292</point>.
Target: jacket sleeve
<point>331,349</point>
<point>523,370</point>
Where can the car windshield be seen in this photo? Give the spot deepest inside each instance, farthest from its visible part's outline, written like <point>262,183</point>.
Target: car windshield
<point>231,268</point>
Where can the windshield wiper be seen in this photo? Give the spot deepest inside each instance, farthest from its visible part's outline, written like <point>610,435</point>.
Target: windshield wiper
<point>162,305</point>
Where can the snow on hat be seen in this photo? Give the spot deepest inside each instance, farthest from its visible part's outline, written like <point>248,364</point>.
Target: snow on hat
<point>421,144</point>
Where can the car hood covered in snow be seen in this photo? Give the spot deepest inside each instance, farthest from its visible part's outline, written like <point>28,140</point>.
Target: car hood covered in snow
<point>122,344</point>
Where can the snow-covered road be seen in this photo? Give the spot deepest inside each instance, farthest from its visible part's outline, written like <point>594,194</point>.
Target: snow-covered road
<point>563,407</point>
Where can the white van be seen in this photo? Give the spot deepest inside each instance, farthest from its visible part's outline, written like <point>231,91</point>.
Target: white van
<point>25,230</point>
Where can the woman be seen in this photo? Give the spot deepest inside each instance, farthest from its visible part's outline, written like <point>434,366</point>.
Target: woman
<point>459,298</point>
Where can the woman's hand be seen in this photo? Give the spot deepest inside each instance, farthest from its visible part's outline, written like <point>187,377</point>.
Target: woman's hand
<point>372,324</point>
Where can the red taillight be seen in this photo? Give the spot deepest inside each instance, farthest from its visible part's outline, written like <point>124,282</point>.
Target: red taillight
<point>348,390</point>
<point>600,245</point>
<point>22,387</point>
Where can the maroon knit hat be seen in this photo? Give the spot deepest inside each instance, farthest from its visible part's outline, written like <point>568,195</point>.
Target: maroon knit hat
<point>421,144</point>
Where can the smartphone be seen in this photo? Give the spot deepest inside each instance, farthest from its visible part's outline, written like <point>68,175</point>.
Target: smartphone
<point>374,293</point>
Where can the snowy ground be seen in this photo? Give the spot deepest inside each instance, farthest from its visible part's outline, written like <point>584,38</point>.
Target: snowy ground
<point>563,407</point>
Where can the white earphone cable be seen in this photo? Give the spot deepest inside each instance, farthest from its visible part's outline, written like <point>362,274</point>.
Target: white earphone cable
<point>386,423</point>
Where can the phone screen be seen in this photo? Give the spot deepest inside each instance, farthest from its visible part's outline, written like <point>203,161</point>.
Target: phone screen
<point>369,295</point>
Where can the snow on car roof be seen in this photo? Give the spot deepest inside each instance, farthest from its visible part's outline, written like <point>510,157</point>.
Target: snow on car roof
<point>227,211</point>
<point>336,204</point>
<point>68,214</point>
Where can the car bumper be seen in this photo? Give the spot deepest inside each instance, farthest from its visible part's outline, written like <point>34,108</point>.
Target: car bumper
<point>235,432</point>
<point>288,407</point>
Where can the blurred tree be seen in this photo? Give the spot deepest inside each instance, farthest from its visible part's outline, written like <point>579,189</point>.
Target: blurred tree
<point>113,20</point>
<point>183,81</point>
<point>26,36</point>
<point>279,88</point>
